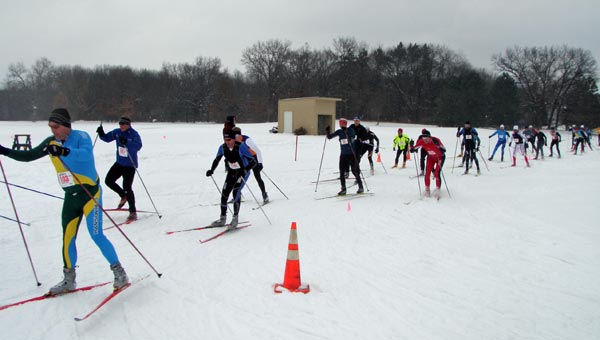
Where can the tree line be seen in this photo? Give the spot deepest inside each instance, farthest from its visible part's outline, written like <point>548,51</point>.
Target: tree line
<point>411,83</point>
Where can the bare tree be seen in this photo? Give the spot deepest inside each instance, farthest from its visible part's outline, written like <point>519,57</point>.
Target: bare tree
<point>546,75</point>
<point>268,62</point>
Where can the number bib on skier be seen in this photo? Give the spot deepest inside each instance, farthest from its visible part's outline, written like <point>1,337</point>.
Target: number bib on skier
<point>65,179</point>
<point>468,137</point>
<point>122,151</point>
<point>234,165</point>
<point>343,141</point>
<point>431,152</point>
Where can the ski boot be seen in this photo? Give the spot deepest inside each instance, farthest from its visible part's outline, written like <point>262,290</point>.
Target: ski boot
<point>132,216</point>
<point>122,202</point>
<point>360,190</point>
<point>234,223</point>
<point>427,192</point>
<point>403,165</point>
<point>342,192</point>
<point>66,285</point>
<point>436,193</point>
<point>218,223</point>
<point>121,279</point>
<point>265,198</point>
<point>395,165</point>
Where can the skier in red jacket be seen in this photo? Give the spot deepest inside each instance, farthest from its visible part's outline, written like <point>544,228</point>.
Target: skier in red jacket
<point>435,152</point>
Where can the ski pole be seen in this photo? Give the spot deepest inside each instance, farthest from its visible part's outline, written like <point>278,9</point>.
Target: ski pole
<point>259,205</point>
<point>39,192</point>
<point>95,139</point>
<point>19,223</point>
<point>107,215</point>
<point>275,184</point>
<point>446,184</point>
<point>484,162</point>
<point>220,193</point>
<point>12,219</point>
<point>419,183</point>
<point>454,159</point>
<point>321,164</point>
<point>141,180</point>
<point>489,144</point>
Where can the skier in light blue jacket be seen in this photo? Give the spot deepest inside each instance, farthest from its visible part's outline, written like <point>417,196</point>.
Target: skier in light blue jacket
<point>503,136</point>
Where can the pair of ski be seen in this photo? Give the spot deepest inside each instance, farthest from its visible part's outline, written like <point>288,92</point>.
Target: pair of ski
<point>79,289</point>
<point>241,225</point>
<point>126,221</point>
<point>347,196</point>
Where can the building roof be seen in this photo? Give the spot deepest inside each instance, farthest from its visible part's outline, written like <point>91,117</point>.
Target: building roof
<point>315,98</point>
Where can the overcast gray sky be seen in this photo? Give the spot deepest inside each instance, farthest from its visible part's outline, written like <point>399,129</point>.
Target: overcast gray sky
<point>146,33</point>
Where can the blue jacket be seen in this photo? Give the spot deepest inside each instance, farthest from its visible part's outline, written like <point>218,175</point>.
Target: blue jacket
<point>503,136</point>
<point>134,144</point>
<point>346,137</point>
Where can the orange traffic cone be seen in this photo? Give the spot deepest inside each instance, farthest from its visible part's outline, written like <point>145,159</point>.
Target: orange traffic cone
<point>291,278</point>
<point>408,156</point>
<point>378,158</point>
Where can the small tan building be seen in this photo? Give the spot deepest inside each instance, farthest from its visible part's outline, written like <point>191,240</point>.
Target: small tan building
<point>311,113</point>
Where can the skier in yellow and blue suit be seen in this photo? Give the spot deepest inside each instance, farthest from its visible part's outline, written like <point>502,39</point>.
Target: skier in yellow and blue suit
<point>71,154</point>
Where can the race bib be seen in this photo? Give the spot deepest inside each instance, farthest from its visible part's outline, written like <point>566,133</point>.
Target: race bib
<point>343,141</point>
<point>65,179</point>
<point>123,151</point>
<point>468,137</point>
<point>431,152</point>
<point>234,165</point>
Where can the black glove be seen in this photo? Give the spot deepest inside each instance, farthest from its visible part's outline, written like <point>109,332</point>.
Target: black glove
<point>328,129</point>
<point>394,148</point>
<point>376,150</point>
<point>123,140</point>
<point>4,151</point>
<point>209,173</point>
<point>510,144</point>
<point>458,129</point>
<point>100,131</point>
<point>57,150</point>
<point>259,166</point>
<point>413,150</point>
<point>476,149</point>
<point>412,143</point>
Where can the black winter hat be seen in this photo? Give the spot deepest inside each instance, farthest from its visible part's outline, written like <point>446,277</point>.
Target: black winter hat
<point>60,116</point>
<point>229,134</point>
<point>125,120</point>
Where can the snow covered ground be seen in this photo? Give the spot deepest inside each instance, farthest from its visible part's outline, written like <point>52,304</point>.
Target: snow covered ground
<point>514,254</point>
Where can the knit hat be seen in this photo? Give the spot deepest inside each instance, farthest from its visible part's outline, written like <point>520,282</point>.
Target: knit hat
<point>60,116</point>
<point>516,128</point>
<point>502,126</point>
<point>424,130</point>
<point>343,122</point>
<point>125,120</point>
<point>229,134</point>
<point>356,118</point>
<point>426,133</point>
